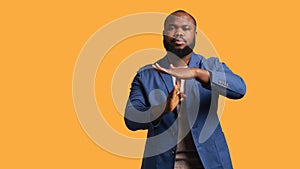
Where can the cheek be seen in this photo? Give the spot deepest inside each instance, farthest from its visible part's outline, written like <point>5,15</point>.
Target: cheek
<point>169,33</point>
<point>168,38</point>
<point>190,37</point>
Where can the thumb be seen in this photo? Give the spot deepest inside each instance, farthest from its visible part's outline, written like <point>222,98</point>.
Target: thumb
<point>176,88</point>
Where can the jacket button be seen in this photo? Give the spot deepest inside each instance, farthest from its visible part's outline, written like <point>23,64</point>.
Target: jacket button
<point>172,153</point>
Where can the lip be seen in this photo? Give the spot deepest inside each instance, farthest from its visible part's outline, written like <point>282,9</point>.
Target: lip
<point>178,41</point>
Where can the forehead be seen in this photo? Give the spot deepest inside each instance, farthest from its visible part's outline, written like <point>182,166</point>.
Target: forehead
<point>180,18</point>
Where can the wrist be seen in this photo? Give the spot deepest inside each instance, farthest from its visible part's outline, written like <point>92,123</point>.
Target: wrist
<point>202,76</point>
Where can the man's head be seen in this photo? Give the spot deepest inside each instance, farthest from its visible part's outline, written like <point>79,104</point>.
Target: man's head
<point>179,33</point>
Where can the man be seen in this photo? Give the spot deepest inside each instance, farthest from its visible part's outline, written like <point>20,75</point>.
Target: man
<point>176,100</point>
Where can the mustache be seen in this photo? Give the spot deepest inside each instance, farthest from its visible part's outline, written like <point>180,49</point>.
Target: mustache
<point>178,39</point>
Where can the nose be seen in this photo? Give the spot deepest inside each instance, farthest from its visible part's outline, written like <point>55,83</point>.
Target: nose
<point>178,33</point>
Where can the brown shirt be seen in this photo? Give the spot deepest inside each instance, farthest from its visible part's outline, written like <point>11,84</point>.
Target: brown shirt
<point>186,153</point>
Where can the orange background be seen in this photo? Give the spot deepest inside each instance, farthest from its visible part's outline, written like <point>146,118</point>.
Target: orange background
<point>40,42</point>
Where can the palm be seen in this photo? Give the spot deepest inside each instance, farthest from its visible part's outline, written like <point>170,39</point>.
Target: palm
<point>179,72</point>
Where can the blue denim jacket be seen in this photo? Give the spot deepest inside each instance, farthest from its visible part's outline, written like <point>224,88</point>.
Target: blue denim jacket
<point>150,88</point>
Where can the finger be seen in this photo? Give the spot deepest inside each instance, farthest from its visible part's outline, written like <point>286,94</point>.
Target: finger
<point>176,89</point>
<point>160,68</point>
<point>157,68</point>
<point>176,86</point>
<point>172,66</point>
<point>182,95</point>
<point>177,83</point>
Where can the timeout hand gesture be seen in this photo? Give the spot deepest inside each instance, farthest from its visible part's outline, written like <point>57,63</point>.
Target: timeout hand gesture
<point>178,72</point>
<point>201,75</point>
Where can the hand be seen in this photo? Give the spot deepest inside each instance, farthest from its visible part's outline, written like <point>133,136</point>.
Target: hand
<point>201,75</point>
<point>178,72</point>
<point>174,98</point>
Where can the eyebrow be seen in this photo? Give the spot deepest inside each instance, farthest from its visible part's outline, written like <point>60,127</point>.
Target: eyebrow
<point>183,26</point>
<point>178,26</point>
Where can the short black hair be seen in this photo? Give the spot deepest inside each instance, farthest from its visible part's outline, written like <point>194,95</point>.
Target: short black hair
<point>179,11</point>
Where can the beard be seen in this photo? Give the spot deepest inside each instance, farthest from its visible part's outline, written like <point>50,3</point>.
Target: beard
<point>179,52</point>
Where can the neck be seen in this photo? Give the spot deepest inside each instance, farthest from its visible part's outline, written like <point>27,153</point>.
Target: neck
<point>177,61</point>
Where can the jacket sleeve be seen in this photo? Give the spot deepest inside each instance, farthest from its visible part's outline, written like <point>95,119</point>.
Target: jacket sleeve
<point>137,111</point>
<point>223,80</point>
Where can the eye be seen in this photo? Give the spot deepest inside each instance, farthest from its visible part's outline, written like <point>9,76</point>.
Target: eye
<point>171,27</point>
<point>186,28</point>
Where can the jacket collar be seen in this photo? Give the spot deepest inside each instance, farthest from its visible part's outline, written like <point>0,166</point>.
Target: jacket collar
<point>164,62</point>
<point>195,60</point>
